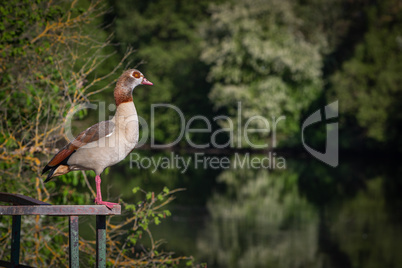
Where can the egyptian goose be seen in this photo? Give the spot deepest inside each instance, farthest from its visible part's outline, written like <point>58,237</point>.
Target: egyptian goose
<point>106,143</point>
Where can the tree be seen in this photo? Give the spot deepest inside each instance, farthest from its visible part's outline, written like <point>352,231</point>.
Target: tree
<point>368,84</point>
<point>168,44</point>
<point>50,54</point>
<point>259,56</point>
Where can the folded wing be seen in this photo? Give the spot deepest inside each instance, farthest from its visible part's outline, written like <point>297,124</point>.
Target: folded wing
<point>91,134</point>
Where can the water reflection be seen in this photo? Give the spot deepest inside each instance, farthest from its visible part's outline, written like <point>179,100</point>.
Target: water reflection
<point>308,215</point>
<point>261,221</point>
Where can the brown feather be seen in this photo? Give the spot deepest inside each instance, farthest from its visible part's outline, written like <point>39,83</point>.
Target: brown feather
<point>61,155</point>
<point>89,135</point>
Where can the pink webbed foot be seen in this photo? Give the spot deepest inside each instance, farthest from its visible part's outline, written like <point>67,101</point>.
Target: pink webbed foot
<point>110,205</point>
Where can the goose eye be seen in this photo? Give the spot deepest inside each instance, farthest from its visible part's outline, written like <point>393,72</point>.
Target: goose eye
<point>136,74</point>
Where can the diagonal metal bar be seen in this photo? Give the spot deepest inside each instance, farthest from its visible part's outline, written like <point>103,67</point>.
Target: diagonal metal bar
<point>8,264</point>
<point>19,199</point>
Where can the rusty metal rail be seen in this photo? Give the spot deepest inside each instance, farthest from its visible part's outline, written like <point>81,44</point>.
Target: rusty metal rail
<point>24,205</point>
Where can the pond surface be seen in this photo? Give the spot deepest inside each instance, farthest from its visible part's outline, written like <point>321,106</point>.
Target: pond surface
<point>305,214</point>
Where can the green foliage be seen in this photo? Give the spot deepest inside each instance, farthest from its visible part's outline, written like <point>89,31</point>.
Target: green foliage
<point>147,215</point>
<point>368,84</point>
<point>260,57</point>
<point>278,58</point>
<point>135,228</point>
<point>39,83</point>
<point>50,52</point>
<point>168,44</point>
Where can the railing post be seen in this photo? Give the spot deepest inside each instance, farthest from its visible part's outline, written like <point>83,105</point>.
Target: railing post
<point>74,260</point>
<point>15,241</point>
<point>24,205</point>
<point>100,241</point>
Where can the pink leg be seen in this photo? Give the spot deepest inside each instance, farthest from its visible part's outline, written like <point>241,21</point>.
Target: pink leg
<point>98,199</point>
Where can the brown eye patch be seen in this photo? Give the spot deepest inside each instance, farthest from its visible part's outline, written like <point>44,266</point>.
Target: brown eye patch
<point>136,74</point>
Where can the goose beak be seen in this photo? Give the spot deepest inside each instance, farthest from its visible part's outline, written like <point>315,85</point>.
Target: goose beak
<point>146,82</point>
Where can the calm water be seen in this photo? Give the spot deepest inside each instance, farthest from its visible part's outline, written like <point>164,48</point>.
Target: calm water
<point>304,215</point>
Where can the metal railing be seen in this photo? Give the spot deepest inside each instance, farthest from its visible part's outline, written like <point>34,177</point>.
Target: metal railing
<point>24,205</point>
